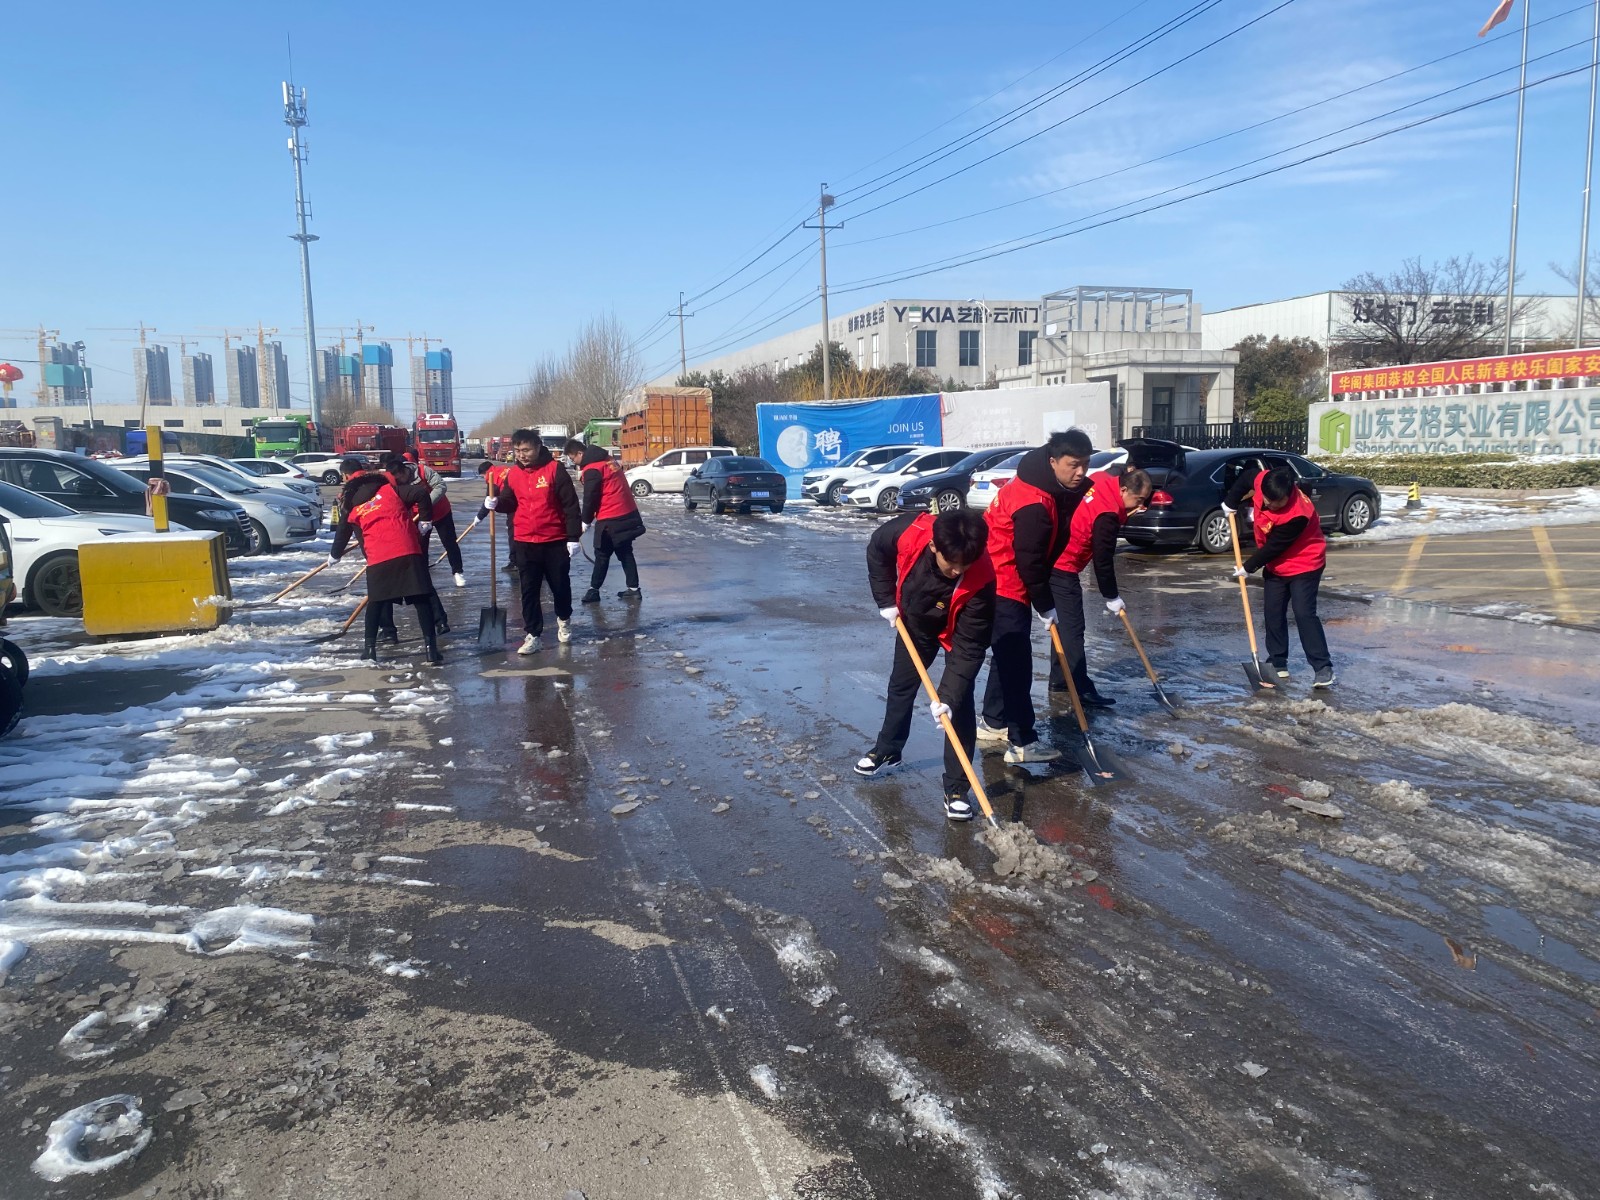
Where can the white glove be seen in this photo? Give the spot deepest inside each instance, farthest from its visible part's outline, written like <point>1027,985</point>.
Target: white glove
<point>574,547</point>
<point>890,614</point>
<point>586,526</point>
<point>937,710</point>
<point>1048,619</point>
<point>424,527</point>
<point>492,503</point>
<point>331,561</point>
<point>1228,511</point>
<point>1115,605</point>
<point>1239,572</point>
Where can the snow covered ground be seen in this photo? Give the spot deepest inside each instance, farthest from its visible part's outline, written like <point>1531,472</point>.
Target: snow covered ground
<point>1442,514</point>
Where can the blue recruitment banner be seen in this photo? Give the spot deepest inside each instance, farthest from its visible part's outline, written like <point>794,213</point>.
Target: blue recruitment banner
<point>796,438</point>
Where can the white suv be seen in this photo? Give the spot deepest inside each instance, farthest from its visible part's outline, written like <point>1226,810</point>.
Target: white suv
<point>320,465</point>
<point>825,485</point>
<point>668,472</point>
<point>881,489</point>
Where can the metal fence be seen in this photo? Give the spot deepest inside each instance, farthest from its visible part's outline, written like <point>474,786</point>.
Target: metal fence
<point>1232,435</point>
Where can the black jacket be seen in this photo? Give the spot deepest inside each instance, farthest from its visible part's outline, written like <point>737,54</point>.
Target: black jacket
<point>564,495</point>
<point>618,530</point>
<point>358,489</point>
<point>924,606</point>
<point>1242,494</point>
<point>1036,548</point>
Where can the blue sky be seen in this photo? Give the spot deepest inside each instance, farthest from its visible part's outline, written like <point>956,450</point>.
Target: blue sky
<point>495,174</point>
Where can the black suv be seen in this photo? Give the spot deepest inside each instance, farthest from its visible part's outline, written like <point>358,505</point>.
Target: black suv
<point>946,490</point>
<point>86,485</point>
<point>1186,509</point>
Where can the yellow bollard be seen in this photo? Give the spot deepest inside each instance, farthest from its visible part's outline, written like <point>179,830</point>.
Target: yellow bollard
<point>158,487</point>
<point>1414,495</point>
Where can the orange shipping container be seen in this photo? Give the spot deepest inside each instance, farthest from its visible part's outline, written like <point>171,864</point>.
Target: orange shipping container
<point>658,419</point>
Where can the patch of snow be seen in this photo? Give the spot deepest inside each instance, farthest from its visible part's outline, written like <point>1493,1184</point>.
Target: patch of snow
<point>93,1137</point>
<point>766,1080</point>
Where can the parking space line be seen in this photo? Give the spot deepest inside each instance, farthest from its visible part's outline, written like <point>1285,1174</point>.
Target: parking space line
<point>1414,555</point>
<point>1552,569</point>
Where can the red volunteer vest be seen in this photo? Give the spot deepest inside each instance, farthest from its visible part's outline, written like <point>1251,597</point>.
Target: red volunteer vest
<point>1001,515</point>
<point>537,518</point>
<point>917,538</point>
<point>387,530</point>
<point>616,497</point>
<point>441,506</point>
<point>1310,550</point>
<point>494,477</point>
<point>1104,496</point>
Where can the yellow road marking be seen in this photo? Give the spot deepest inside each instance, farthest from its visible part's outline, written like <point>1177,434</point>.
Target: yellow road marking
<point>1415,555</point>
<point>1552,569</point>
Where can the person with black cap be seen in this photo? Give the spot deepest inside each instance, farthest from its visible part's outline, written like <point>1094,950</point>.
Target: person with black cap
<point>541,504</point>
<point>608,507</point>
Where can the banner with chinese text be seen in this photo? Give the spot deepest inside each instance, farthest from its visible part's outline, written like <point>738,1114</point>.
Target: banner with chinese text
<point>1564,421</point>
<point>796,438</point>
<point>1509,368</point>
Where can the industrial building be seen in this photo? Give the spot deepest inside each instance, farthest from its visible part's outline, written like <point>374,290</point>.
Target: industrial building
<point>377,376</point>
<point>199,381</point>
<point>244,385</point>
<point>67,377</point>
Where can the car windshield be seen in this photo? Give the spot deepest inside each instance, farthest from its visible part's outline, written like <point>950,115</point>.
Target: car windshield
<point>732,463</point>
<point>110,476</point>
<point>436,435</point>
<point>1101,458</point>
<point>1010,464</point>
<point>19,503</point>
<point>851,459</point>
<point>223,481</point>
<point>973,461</point>
<point>899,464</point>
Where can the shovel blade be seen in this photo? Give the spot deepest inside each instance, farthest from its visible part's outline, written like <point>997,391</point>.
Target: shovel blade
<point>491,629</point>
<point>1166,701</point>
<point>1095,767</point>
<point>1258,682</point>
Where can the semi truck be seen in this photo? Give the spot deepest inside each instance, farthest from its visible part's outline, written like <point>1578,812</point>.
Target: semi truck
<point>366,438</point>
<point>287,435</point>
<point>497,449</point>
<point>438,442</point>
<point>658,419</point>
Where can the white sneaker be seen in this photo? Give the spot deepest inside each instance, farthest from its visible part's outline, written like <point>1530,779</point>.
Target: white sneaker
<point>1032,752</point>
<point>460,579</point>
<point>988,733</point>
<point>530,645</point>
<point>563,631</point>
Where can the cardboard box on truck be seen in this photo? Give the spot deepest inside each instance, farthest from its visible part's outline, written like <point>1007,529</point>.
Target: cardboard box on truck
<point>658,419</point>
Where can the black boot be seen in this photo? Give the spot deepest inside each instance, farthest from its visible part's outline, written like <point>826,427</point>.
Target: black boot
<point>430,639</point>
<point>369,650</point>
<point>592,596</point>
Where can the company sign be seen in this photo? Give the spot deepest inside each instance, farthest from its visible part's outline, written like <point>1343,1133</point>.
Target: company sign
<point>1562,422</point>
<point>1507,368</point>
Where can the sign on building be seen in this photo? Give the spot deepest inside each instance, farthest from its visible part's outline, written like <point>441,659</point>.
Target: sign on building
<point>1564,421</point>
<point>1507,369</point>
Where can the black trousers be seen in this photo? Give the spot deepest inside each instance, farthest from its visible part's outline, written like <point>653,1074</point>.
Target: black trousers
<point>905,692</point>
<point>1008,695</point>
<point>445,527</point>
<point>380,615</point>
<point>1300,592</point>
<point>1067,588</point>
<point>604,548</point>
<point>539,563</point>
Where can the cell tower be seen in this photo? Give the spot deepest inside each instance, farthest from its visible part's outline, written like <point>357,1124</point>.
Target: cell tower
<point>294,116</point>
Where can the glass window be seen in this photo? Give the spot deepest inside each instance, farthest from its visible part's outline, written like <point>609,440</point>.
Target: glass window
<point>1305,468</point>
<point>20,503</point>
<point>695,457</point>
<point>970,347</point>
<point>877,352</point>
<point>927,347</point>
<point>1161,406</point>
<point>861,352</point>
<point>1025,339</point>
<point>672,458</point>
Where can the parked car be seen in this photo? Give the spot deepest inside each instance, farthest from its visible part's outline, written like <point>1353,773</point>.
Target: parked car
<point>1186,507</point>
<point>881,489</point>
<point>670,471</point>
<point>320,466</point>
<point>45,537</point>
<point>278,519</point>
<point>303,489</point>
<point>986,485</point>
<point>946,491</point>
<point>278,470</point>
<point>735,481</point>
<point>13,662</point>
<point>87,485</point>
<point>825,485</point>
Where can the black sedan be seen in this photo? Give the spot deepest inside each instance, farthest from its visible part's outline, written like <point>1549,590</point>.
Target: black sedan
<point>946,491</point>
<point>1186,509</point>
<point>733,481</point>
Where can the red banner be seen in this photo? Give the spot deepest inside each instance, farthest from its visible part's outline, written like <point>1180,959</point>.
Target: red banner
<point>1510,368</point>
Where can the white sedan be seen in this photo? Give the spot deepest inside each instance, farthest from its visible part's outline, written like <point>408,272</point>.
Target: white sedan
<point>45,537</point>
<point>986,485</point>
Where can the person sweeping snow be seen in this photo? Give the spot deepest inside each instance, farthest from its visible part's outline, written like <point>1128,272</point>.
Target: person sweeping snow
<point>538,498</point>
<point>608,506</point>
<point>1291,552</point>
<point>933,574</point>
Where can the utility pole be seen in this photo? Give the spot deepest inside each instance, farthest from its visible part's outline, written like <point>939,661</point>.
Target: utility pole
<point>824,203</point>
<point>294,116</point>
<point>683,357</point>
<point>1516,180</point>
<point>1588,172</point>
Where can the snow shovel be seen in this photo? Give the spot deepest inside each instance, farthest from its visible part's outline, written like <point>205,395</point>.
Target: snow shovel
<point>1252,669</point>
<point>460,537</point>
<point>1161,695</point>
<point>949,729</point>
<point>492,620</point>
<point>1091,763</point>
<point>351,581</point>
<point>345,628</point>
<point>322,566</point>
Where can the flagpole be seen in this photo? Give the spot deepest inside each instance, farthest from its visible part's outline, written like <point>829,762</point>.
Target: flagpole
<point>1516,176</point>
<point>1588,172</point>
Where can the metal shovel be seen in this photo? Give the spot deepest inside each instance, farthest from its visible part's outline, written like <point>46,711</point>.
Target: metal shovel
<point>492,620</point>
<point>1161,695</point>
<point>1252,669</point>
<point>1090,762</point>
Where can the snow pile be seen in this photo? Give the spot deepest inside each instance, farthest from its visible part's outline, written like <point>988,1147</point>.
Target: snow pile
<point>1401,796</point>
<point>92,1138</point>
<point>1478,514</point>
<point>1021,855</point>
<point>765,1079</point>
<point>97,1035</point>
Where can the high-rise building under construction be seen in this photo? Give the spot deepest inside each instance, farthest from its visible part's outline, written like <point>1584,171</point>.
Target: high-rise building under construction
<point>199,382</point>
<point>66,377</point>
<point>377,376</point>
<point>152,375</point>
<point>431,387</point>
<point>244,386</point>
<point>275,377</point>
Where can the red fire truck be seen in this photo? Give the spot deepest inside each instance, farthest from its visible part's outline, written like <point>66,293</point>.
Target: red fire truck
<point>371,440</point>
<point>438,442</point>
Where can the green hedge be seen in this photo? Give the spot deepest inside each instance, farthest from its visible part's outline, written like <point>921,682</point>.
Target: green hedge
<point>1467,471</point>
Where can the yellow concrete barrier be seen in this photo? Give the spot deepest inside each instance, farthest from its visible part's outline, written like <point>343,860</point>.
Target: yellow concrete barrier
<point>165,583</point>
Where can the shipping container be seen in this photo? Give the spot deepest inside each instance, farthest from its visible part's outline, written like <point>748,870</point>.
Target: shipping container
<point>658,419</point>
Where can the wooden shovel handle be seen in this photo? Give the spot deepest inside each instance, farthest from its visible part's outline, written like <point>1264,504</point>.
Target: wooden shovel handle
<point>1244,594</point>
<point>351,620</point>
<point>494,566</point>
<point>1143,657</point>
<point>1072,687</point>
<point>949,729</point>
<point>319,567</point>
<point>459,538</point>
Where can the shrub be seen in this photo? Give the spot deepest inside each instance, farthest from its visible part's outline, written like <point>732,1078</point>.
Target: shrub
<point>1468,471</point>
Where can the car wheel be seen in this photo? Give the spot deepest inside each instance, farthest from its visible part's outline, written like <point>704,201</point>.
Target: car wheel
<point>14,660</point>
<point>1213,535</point>
<point>831,496</point>
<point>263,538</point>
<point>887,500</point>
<point>688,504</point>
<point>10,702</point>
<point>778,507</point>
<point>1357,516</point>
<point>331,478</point>
<point>717,506</point>
<point>55,588</point>
<point>949,501</point>
<point>641,487</point>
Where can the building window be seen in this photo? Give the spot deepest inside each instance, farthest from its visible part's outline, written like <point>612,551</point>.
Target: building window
<point>877,352</point>
<point>971,351</point>
<point>861,352</point>
<point>927,347</point>
<point>209,424</point>
<point>177,424</point>
<point>1025,347</point>
<point>1161,406</point>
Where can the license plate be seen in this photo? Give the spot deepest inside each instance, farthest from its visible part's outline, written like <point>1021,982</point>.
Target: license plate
<point>760,495</point>
<point>982,485</point>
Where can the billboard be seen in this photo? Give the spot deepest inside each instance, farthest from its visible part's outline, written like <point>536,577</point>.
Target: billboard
<point>1026,416</point>
<point>796,438</point>
<point>1503,368</point>
<point>1564,421</point>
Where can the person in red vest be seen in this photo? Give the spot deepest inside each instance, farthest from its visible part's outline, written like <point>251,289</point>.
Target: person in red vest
<point>444,519</point>
<point>1291,552</point>
<point>1113,496</point>
<point>934,574</point>
<point>607,505</point>
<point>1028,524</point>
<point>493,475</point>
<point>538,498</point>
<point>382,509</point>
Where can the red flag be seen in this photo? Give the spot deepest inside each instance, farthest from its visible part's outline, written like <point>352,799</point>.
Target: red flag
<point>1500,13</point>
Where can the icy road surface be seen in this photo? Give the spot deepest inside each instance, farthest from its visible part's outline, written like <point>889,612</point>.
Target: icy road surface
<point>620,920</point>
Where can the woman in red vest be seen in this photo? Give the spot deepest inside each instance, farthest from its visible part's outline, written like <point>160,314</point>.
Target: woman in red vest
<point>1113,496</point>
<point>397,569</point>
<point>607,504</point>
<point>934,574</point>
<point>1291,552</point>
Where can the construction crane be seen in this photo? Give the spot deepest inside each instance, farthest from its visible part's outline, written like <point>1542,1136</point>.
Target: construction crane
<point>143,339</point>
<point>45,337</point>
<point>268,384</point>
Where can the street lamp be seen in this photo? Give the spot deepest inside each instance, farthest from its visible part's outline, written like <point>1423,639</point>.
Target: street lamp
<point>911,319</point>
<point>88,390</point>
